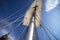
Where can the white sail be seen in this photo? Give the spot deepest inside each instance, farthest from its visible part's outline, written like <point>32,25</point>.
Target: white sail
<point>29,13</point>
<point>34,21</point>
<point>38,13</point>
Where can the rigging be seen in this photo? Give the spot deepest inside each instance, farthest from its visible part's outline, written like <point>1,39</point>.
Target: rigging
<point>11,22</point>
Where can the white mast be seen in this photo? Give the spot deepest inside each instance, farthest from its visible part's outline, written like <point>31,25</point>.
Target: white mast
<point>30,19</point>
<point>31,31</point>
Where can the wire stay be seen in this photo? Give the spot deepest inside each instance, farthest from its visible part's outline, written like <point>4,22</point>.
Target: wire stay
<point>50,32</point>
<point>15,28</point>
<point>13,13</point>
<point>46,33</point>
<point>22,33</point>
<point>11,22</point>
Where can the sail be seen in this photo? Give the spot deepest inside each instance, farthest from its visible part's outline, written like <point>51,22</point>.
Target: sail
<point>38,13</point>
<point>29,13</point>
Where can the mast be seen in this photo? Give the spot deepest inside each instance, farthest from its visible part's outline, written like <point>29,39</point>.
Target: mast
<point>29,13</point>
<point>30,19</point>
<point>32,26</point>
<point>30,31</point>
<point>33,13</point>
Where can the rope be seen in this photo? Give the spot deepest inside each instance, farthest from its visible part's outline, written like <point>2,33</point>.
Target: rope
<point>35,29</point>
<point>22,33</point>
<point>15,28</point>
<point>8,23</point>
<point>35,32</point>
<point>11,22</point>
<point>47,33</point>
<point>14,13</point>
<point>51,32</point>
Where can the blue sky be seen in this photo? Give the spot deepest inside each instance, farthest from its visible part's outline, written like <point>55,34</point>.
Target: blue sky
<point>50,18</point>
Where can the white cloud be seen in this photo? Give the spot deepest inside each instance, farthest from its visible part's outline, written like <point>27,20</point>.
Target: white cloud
<point>51,4</point>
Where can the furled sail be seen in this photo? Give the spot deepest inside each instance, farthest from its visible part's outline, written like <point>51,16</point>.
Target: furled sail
<point>33,18</point>
<point>29,13</point>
